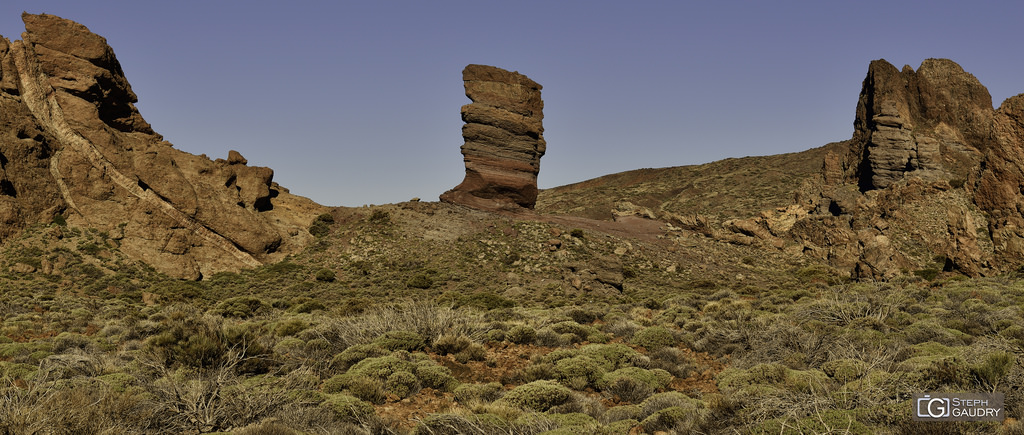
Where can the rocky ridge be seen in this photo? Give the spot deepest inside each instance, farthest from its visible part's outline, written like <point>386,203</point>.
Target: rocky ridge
<point>504,140</point>
<point>928,182</point>
<point>72,144</point>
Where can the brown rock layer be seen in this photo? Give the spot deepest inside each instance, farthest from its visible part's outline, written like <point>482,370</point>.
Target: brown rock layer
<point>503,140</point>
<point>72,142</point>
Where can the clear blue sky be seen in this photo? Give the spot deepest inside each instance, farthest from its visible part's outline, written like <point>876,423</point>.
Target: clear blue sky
<point>358,103</point>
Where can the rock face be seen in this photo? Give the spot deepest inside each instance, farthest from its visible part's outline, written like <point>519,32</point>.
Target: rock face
<point>904,116</point>
<point>72,143</point>
<point>504,140</point>
<point>939,174</point>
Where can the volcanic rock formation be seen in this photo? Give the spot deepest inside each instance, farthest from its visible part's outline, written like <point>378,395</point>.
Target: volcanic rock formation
<point>940,172</point>
<point>930,181</point>
<point>503,140</point>
<point>72,143</point>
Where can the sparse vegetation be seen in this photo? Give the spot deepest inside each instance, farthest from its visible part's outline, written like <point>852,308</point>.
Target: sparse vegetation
<point>468,341</point>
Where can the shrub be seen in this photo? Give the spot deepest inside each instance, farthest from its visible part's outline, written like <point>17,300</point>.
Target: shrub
<point>675,418</point>
<point>348,408</point>
<point>402,384</point>
<point>473,352</point>
<point>994,368</point>
<point>673,411</point>
<point>579,332</point>
<point>583,316</point>
<point>321,226</point>
<point>190,343</point>
<point>655,379</point>
<point>654,337</point>
<point>577,233</point>
<point>435,376</point>
<point>325,275</point>
<point>623,412</point>
<point>629,389</point>
<point>538,396</point>
<point>354,354</point>
<point>449,344</point>
<point>466,393</point>
<point>578,372</point>
<point>69,340</point>
<point>845,370</point>
<point>241,307</point>
<point>401,340</point>
<point>364,388</point>
<point>308,307</point>
<point>420,281</point>
<point>521,334</point>
<point>613,356</point>
<point>487,301</point>
<point>766,373</point>
<point>620,427</point>
<point>672,360</point>
<point>453,424</point>
<point>379,217</point>
<point>290,327</point>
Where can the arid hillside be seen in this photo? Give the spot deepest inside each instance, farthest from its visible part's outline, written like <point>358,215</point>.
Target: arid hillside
<point>144,290</point>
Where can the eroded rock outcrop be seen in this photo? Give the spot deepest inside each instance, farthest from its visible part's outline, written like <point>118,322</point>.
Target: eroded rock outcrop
<point>73,143</point>
<point>504,140</point>
<point>930,180</point>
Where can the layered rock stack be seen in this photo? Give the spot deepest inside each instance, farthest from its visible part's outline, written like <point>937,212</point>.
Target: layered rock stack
<point>931,139</point>
<point>73,144</point>
<point>904,117</point>
<point>504,140</point>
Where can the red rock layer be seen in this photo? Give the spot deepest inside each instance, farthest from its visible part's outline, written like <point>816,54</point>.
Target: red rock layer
<point>504,140</point>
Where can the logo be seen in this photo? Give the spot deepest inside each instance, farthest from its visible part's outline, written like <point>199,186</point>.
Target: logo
<point>958,407</point>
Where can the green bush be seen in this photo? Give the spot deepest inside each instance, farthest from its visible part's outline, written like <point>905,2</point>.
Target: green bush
<point>655,379</point>
<point>577,332</point>
<point>673,411</point>
<point>308,307</point>
<point>538,396</point>
<point>845,370</point>
<point>354,354</point>
<point>466,393</point>
<point>473,352</point>
<point>348,408</point>
<point>435,376</point>
<point>402,384</point>
<point>623,412</point>
<point>628,389</point>
<point>189,342</point>
<point>321,226</point>
<point>487,301</point>
<point>401,340</point>
<point>613,356</point>
<point>620,427</point>
<point>766,373</point>
<point>578,372</point>
<point>241,307</point>
<point>448,344</point>
<point>654,337</point>
<point>521,334</point>
<point>369,389</point>
<point>379,217</point>
<point>676,419</point>
<point>325,275</point>
<point>290,327</point>
<point>994,368</point>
